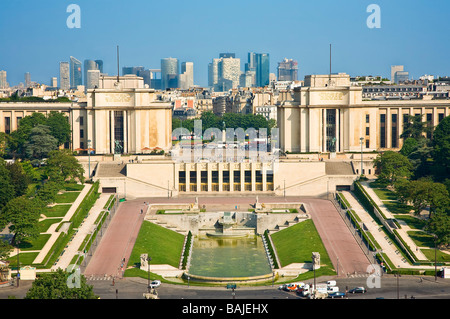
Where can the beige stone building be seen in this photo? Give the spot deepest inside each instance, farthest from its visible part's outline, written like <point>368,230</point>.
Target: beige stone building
<point>329,115</point>
<point>114,119</point>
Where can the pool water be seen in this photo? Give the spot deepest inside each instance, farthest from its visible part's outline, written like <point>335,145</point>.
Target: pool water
<point>229,257</point>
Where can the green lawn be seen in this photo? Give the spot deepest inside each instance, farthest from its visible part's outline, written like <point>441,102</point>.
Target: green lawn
<point>73,187</point>
<point>421,239</point>
<point>164,246</point>
<point>46,223</point>
<point>24,259</point>
<point>295,244</point>
<point>413,222</point>
<point>68,197</point>
<point>35,244</point>
<point>56,211</point>
<point>441,257</point>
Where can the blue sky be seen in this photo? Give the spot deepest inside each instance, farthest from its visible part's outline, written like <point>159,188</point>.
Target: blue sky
<point>34,36</point>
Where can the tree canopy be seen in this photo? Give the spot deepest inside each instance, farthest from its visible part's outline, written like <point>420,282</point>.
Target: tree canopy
<point>55,286</point>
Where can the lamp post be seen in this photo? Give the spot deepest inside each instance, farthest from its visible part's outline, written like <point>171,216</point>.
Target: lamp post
<point>148,280</point>
<point>435,258</point>
<point>89,156</point>
<point>361,141</point>
<point>18,264</point>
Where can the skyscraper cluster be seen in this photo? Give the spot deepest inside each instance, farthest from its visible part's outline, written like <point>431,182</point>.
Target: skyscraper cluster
<point>225,72</point>
<point>71,74</point>
<point>287,70</point>
<point>171,77</point>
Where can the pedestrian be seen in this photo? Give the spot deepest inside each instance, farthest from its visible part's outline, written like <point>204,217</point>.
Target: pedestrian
<point>113,282</point>
<point>141,211</point>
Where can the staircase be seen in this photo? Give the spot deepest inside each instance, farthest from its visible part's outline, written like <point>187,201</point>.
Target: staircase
<point>338,168</point>
<point>111,170</point>
<point>155,220</point>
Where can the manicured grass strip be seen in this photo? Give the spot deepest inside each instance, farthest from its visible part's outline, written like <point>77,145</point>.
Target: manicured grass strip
<point>24,259</point>
<point>45,224</point>
<point>164,246</point>
<point>295,244</point>
<point>441,257</point>
<point>56,211</point>
<point>35,244</point>
<point>73,187</point>
<point>421,239</point>
<point>411,221</point>
<point>68,197</point>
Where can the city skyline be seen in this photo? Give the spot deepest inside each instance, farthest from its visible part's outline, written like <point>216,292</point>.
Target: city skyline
<point>203,31</point>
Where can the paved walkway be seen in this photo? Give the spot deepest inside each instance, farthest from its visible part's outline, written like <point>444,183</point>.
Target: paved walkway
<point>375,229</point>
<point>402,231</point>
<point>85,228</point>
<point>52,230</point>
<point>387,246</point>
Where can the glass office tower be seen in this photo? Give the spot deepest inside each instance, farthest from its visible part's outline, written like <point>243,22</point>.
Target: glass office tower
<point>76,77</point>
<point>262,69</point>
<point>169,73</point>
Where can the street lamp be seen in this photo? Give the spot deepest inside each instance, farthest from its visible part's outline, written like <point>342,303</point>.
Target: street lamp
<point>89,156</point>
<point>148,263</point>
<point>361,141</point>
<point>398,288</point>
<point>435,257</point>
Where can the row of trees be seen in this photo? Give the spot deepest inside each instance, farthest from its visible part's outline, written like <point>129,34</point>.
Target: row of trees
<point>420,172</point>
<point>36,136</point>
<point>227,120</point>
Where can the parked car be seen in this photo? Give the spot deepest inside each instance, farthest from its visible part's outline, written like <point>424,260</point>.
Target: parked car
<point>155,284</point>
<point>331,289</point>
<point>358,290</point>
<point>336,294</point>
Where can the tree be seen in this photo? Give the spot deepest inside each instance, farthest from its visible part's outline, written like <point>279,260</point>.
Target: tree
<point>392,166</point>
<point>5,249</point>
<point>22,215</point>
<point>40,142</point>
<point>441,149</point>
<point>55,286</point>
<point>424,192</point>
<point>409,146</point>
<point>439,225</point>
<point>6,187</point>
<point>19,178</point>
<point>59,127</point>
<point>414,127</point>
<point>61,164</point>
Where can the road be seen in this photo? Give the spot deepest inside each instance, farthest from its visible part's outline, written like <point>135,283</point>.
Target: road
<point>133,288</point>
<point>345,254</point>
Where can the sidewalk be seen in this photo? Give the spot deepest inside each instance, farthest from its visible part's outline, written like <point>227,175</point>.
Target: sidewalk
<point>85,228</point>
<point>380,237</point>
<point>44,251</point>
<point>402,231</point>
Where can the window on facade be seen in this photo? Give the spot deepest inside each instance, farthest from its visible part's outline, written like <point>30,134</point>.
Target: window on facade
<point>394,131</point>
<point>382,130</point>
<point>182,177</point>
<point>331,129</point>
<point>118,128</point>
<point>367,118</point>
<point>81,121</point>
<point>367,131</point>
<point>7,125</point>
<point>81,133</point>
<point>226,177</point>
<point>18,120</point>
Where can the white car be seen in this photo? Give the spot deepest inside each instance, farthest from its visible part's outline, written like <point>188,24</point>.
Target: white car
<point>155,284</point>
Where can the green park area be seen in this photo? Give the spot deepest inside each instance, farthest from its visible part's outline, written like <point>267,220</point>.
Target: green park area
<point>294,244</point>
